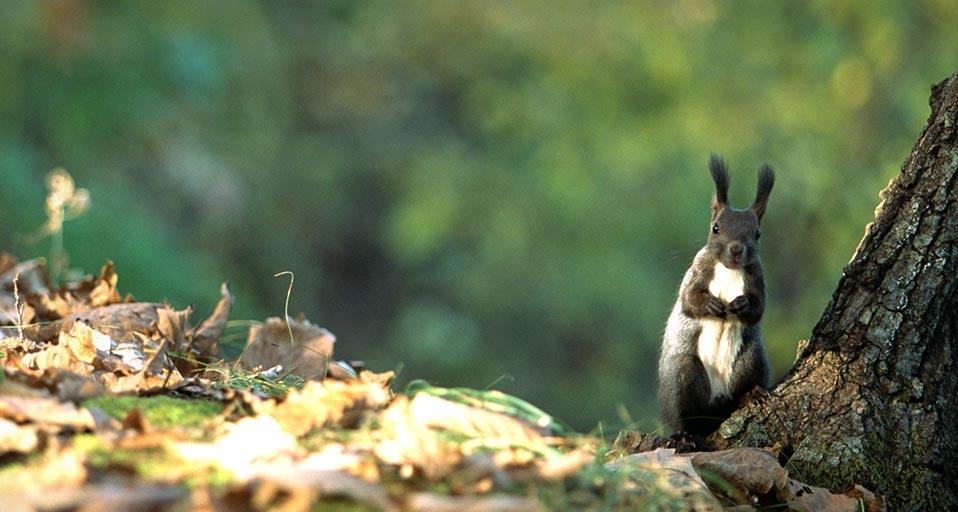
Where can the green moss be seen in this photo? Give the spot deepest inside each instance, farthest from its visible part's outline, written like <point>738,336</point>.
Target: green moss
<point>162,412</point>
<point>154,463</point>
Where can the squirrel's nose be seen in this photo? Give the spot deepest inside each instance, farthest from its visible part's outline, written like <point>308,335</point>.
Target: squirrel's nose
<point>736,249</point>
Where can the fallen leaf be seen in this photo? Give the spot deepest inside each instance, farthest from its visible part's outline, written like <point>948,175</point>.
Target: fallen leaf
<point>17,438</point>
<point>331,402</point>
<point>411,444</point>
<point>204,340</point>
<point>429,502</point>
<point>76,298</point>
<point>751,470</point>
<point>119,321</point>
<point>433,434</point>
<point>45,411</point>
<point>115,497</point>
<point>671,474</point>
<point>247,446</point>
<point>306,355</point>
<point>56,471</point>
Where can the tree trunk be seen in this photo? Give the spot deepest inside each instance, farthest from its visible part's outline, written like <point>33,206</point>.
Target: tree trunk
<point>873,395</point>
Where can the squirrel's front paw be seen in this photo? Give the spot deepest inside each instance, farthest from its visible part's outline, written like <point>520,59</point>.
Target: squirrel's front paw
<point>715,306</point>
<point>738,304</point>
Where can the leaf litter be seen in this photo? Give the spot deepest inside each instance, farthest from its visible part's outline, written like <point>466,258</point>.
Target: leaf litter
<point>114,404</point>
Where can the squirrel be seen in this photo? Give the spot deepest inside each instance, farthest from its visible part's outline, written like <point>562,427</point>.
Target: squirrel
<point>712,349</point>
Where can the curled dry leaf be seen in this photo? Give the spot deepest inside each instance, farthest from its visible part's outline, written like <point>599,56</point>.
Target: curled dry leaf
<point>806,498</point>
<point>671,474</point>
<point>9,315</point>
<point>32,280</point>
<point>91,346</point>
<point>247,449</point>
<point>76,298</point>
<point>56,470</point>
<point>433,435</point>
<point>752,471</point>
<point>412,445</point>
<point>16,438</point>
<point>332,402</point>
<point>299,489</point>
<point>429,502</point>
<point>119,321</point>
<point>204,340</point>
<point>45,411</point>
<point>307,355</point>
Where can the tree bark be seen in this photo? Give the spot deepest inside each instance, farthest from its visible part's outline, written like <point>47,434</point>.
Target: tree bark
<point>873,395</point>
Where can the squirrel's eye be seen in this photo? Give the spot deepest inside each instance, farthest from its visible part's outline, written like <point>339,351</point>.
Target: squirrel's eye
<point>715,228</point>
<point>758,234</point>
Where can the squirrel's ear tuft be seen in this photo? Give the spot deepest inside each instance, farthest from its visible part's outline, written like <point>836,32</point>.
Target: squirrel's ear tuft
<point>766,179</point>
<point>720,177</point>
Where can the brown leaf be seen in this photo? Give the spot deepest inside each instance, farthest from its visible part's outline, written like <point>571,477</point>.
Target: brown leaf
<point>80,341</point>
<point>94,347</point>
<point>330,402</point>
<point>45,411</point>
<point>245,449</point>
<point>76,298</point>
<point>751,470</point>
<point>58,357</point>
<point>7,261</point>
<point>297,488</point>
<point>676,477</point>
<point>433,435</point>
<point>806,498</point>
<point>59,471</point>
<point>9,314</point>
<point>17,438</point>
<point>429,502</point>
<point>204,340</point>
<point>413,445</point>
<point>119,321</point>
<point>33,277</point>
<point>307,355</point>
<point>133,497</point>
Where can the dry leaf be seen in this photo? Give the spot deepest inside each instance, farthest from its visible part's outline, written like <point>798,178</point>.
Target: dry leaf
<point>57,471</point>
<point>88,345</point>
<point>428,502</point>
<point>58,357</point>
<point>33,277</point>
<point>249,447</point>
<point>412,445</point>
<point>76,298</point>
<point>433,435</point>
<point>17,438</point>
<point>674,475</point>
<point>437,413</point>
<point>204,340</point>
<point>751,470</point>
<point>120,321</point>
<point>9,314</point>
<point>331,402</point>
<point>44,411</point>
<point>307,355</point>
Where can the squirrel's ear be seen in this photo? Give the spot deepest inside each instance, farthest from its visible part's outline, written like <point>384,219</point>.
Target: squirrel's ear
<point>766,179</point>
<point>720,177</point>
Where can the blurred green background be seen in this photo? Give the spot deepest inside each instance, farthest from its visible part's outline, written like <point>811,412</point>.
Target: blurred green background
<point>479,193</point>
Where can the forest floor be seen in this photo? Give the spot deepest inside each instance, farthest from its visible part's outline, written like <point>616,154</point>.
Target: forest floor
<point>107,403</point>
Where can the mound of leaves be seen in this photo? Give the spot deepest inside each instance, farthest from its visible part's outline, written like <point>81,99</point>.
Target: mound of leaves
<point>107,403</point>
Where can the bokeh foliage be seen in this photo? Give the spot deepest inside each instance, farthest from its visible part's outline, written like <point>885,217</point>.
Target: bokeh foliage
<point>472,190</point>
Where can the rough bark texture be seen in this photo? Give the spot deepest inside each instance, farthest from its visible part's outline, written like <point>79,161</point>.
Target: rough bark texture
<point>873,395</point>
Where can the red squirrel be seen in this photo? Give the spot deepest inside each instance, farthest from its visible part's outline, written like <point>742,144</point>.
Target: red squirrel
<point>712,350</point>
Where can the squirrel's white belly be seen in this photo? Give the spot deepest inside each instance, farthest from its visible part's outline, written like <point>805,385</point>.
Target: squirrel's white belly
<point>721,339</point>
